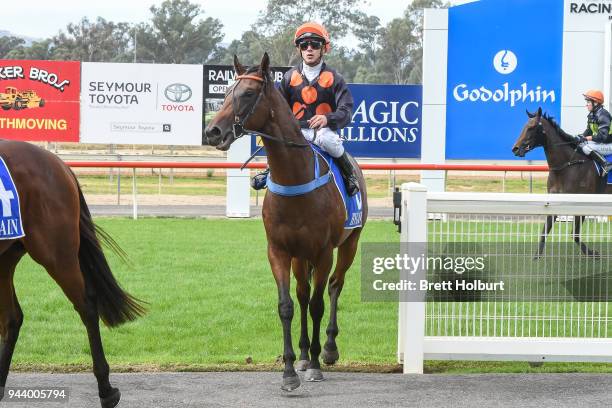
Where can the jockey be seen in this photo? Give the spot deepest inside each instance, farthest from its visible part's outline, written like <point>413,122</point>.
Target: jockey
<point>319,99</point>
<point>596,140</point>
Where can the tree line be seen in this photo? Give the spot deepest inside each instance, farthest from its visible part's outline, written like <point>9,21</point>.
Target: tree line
<point>178,33</point>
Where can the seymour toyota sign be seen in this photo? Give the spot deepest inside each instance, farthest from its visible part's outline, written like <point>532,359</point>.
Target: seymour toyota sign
<point>142,103</point>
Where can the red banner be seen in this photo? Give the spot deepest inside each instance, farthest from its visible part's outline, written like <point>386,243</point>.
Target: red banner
<point>39,100</point>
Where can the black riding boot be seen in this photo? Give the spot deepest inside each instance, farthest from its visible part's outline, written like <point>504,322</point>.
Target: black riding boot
<point>348,174</point>
<point>259,180</point>
<point>599,158</point>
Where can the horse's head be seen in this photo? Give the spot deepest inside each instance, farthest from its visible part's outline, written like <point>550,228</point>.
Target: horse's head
<point>245,105</point>
<point>531,136</point>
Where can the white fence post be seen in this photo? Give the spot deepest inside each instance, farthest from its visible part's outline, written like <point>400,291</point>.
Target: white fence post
<point>411,323</point>
<point>134,195</point>
<point>238,196</point>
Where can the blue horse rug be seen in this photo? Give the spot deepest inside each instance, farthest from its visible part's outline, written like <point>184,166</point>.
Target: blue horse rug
<point>598,167</point>
<point>10,216</point>
<point>352,205</point>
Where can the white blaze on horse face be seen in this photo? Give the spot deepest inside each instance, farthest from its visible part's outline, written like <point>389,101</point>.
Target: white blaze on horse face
<point>6,196</point>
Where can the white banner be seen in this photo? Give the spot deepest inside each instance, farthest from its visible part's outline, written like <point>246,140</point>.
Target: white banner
<point>141,103</point>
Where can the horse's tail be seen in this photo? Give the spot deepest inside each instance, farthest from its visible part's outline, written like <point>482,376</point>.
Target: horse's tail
<point>115,306</point>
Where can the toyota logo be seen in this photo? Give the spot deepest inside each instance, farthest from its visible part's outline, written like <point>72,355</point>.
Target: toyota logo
<point>177,93</point>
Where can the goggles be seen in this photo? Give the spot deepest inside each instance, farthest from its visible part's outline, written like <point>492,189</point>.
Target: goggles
<point>314,44</point>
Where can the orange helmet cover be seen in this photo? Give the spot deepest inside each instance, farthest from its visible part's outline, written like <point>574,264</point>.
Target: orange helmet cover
<point>594,95</point>
<point>312,29</point>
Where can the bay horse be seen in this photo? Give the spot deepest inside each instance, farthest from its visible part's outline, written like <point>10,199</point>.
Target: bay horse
<point>303,230</point>
<point>570,170</point>
<point>61,236</point>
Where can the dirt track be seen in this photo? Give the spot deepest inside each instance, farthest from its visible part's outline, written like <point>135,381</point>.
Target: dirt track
<point>350,390</point>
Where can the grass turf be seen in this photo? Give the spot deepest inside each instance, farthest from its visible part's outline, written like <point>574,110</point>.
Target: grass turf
<point>212,304</point>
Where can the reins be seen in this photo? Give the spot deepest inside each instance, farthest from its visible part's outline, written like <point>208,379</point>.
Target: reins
<point>570,162</point>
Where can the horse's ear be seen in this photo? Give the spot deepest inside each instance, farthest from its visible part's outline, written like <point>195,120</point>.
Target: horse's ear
<point>264,67</point>
<point>539,112</point>
<point>238,67</point>
<point>531,115</point>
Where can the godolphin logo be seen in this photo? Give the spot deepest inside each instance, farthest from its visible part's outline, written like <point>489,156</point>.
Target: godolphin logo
<point>505,62</point>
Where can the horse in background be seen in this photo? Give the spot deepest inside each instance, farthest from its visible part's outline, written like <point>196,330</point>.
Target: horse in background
<point>570,170</point>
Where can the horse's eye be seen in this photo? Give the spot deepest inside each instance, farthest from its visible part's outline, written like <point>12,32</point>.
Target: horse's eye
<point>249,93</point>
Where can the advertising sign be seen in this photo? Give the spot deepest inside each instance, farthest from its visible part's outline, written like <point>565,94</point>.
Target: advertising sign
<point>141,103</point>
<point>39,100</point>
<point>496,71</point>
<point>386,121</point>
<point>217,78</point>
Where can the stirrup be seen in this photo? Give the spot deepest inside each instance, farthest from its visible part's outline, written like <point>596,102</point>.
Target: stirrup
<point>260,180</point>
<point>606,169</point>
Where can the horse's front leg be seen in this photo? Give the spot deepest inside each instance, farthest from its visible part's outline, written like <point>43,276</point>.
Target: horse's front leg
<point>578,220</point>
<point>550,220</point>
<point>317,307</point>
<point>280,261</point>
<point>301,271</point>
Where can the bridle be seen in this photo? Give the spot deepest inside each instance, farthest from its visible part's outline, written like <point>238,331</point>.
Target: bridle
<point>238,128</point>
<point>540,134</point>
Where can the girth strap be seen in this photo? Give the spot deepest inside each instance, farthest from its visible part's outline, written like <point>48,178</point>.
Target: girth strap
<point>301,188</point>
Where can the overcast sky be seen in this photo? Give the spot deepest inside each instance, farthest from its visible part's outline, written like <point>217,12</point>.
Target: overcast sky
<point>43,18</point>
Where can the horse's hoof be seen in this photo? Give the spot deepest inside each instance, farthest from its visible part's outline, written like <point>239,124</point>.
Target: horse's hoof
<point>112,400</point>
<point>290,383</point>
<point>330,356</point>
<point>302,365</point>
<point>313,375</point>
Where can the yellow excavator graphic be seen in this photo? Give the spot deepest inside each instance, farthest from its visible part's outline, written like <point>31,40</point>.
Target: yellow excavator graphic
<point>12,98</point>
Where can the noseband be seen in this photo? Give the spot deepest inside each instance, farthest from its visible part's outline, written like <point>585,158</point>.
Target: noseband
<point>238,128</point>
<point>238,125</point>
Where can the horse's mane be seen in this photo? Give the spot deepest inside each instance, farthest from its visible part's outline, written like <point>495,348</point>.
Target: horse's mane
<point>556,126</point>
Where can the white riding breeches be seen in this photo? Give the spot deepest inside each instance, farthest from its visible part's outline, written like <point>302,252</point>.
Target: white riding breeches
<point>603,148</point>
<point>326,139</point>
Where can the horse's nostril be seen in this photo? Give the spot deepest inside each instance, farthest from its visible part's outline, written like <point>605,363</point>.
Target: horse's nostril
<point>514,149</point>
<point>214,131</point>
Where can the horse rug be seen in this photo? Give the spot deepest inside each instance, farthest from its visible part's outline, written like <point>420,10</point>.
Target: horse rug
<point>11,226</point>
<point>352,204</point>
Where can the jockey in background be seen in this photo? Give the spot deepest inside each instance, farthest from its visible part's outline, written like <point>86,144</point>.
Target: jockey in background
<point>596,140</point>
<point>319,99</point>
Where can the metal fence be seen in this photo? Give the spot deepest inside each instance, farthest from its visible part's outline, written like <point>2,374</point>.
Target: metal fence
<point>554,306</point>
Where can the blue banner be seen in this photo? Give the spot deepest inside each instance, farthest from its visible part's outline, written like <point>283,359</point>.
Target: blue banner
<point>10,219</point>
<point>386,121</point>
<point>504,56</point>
